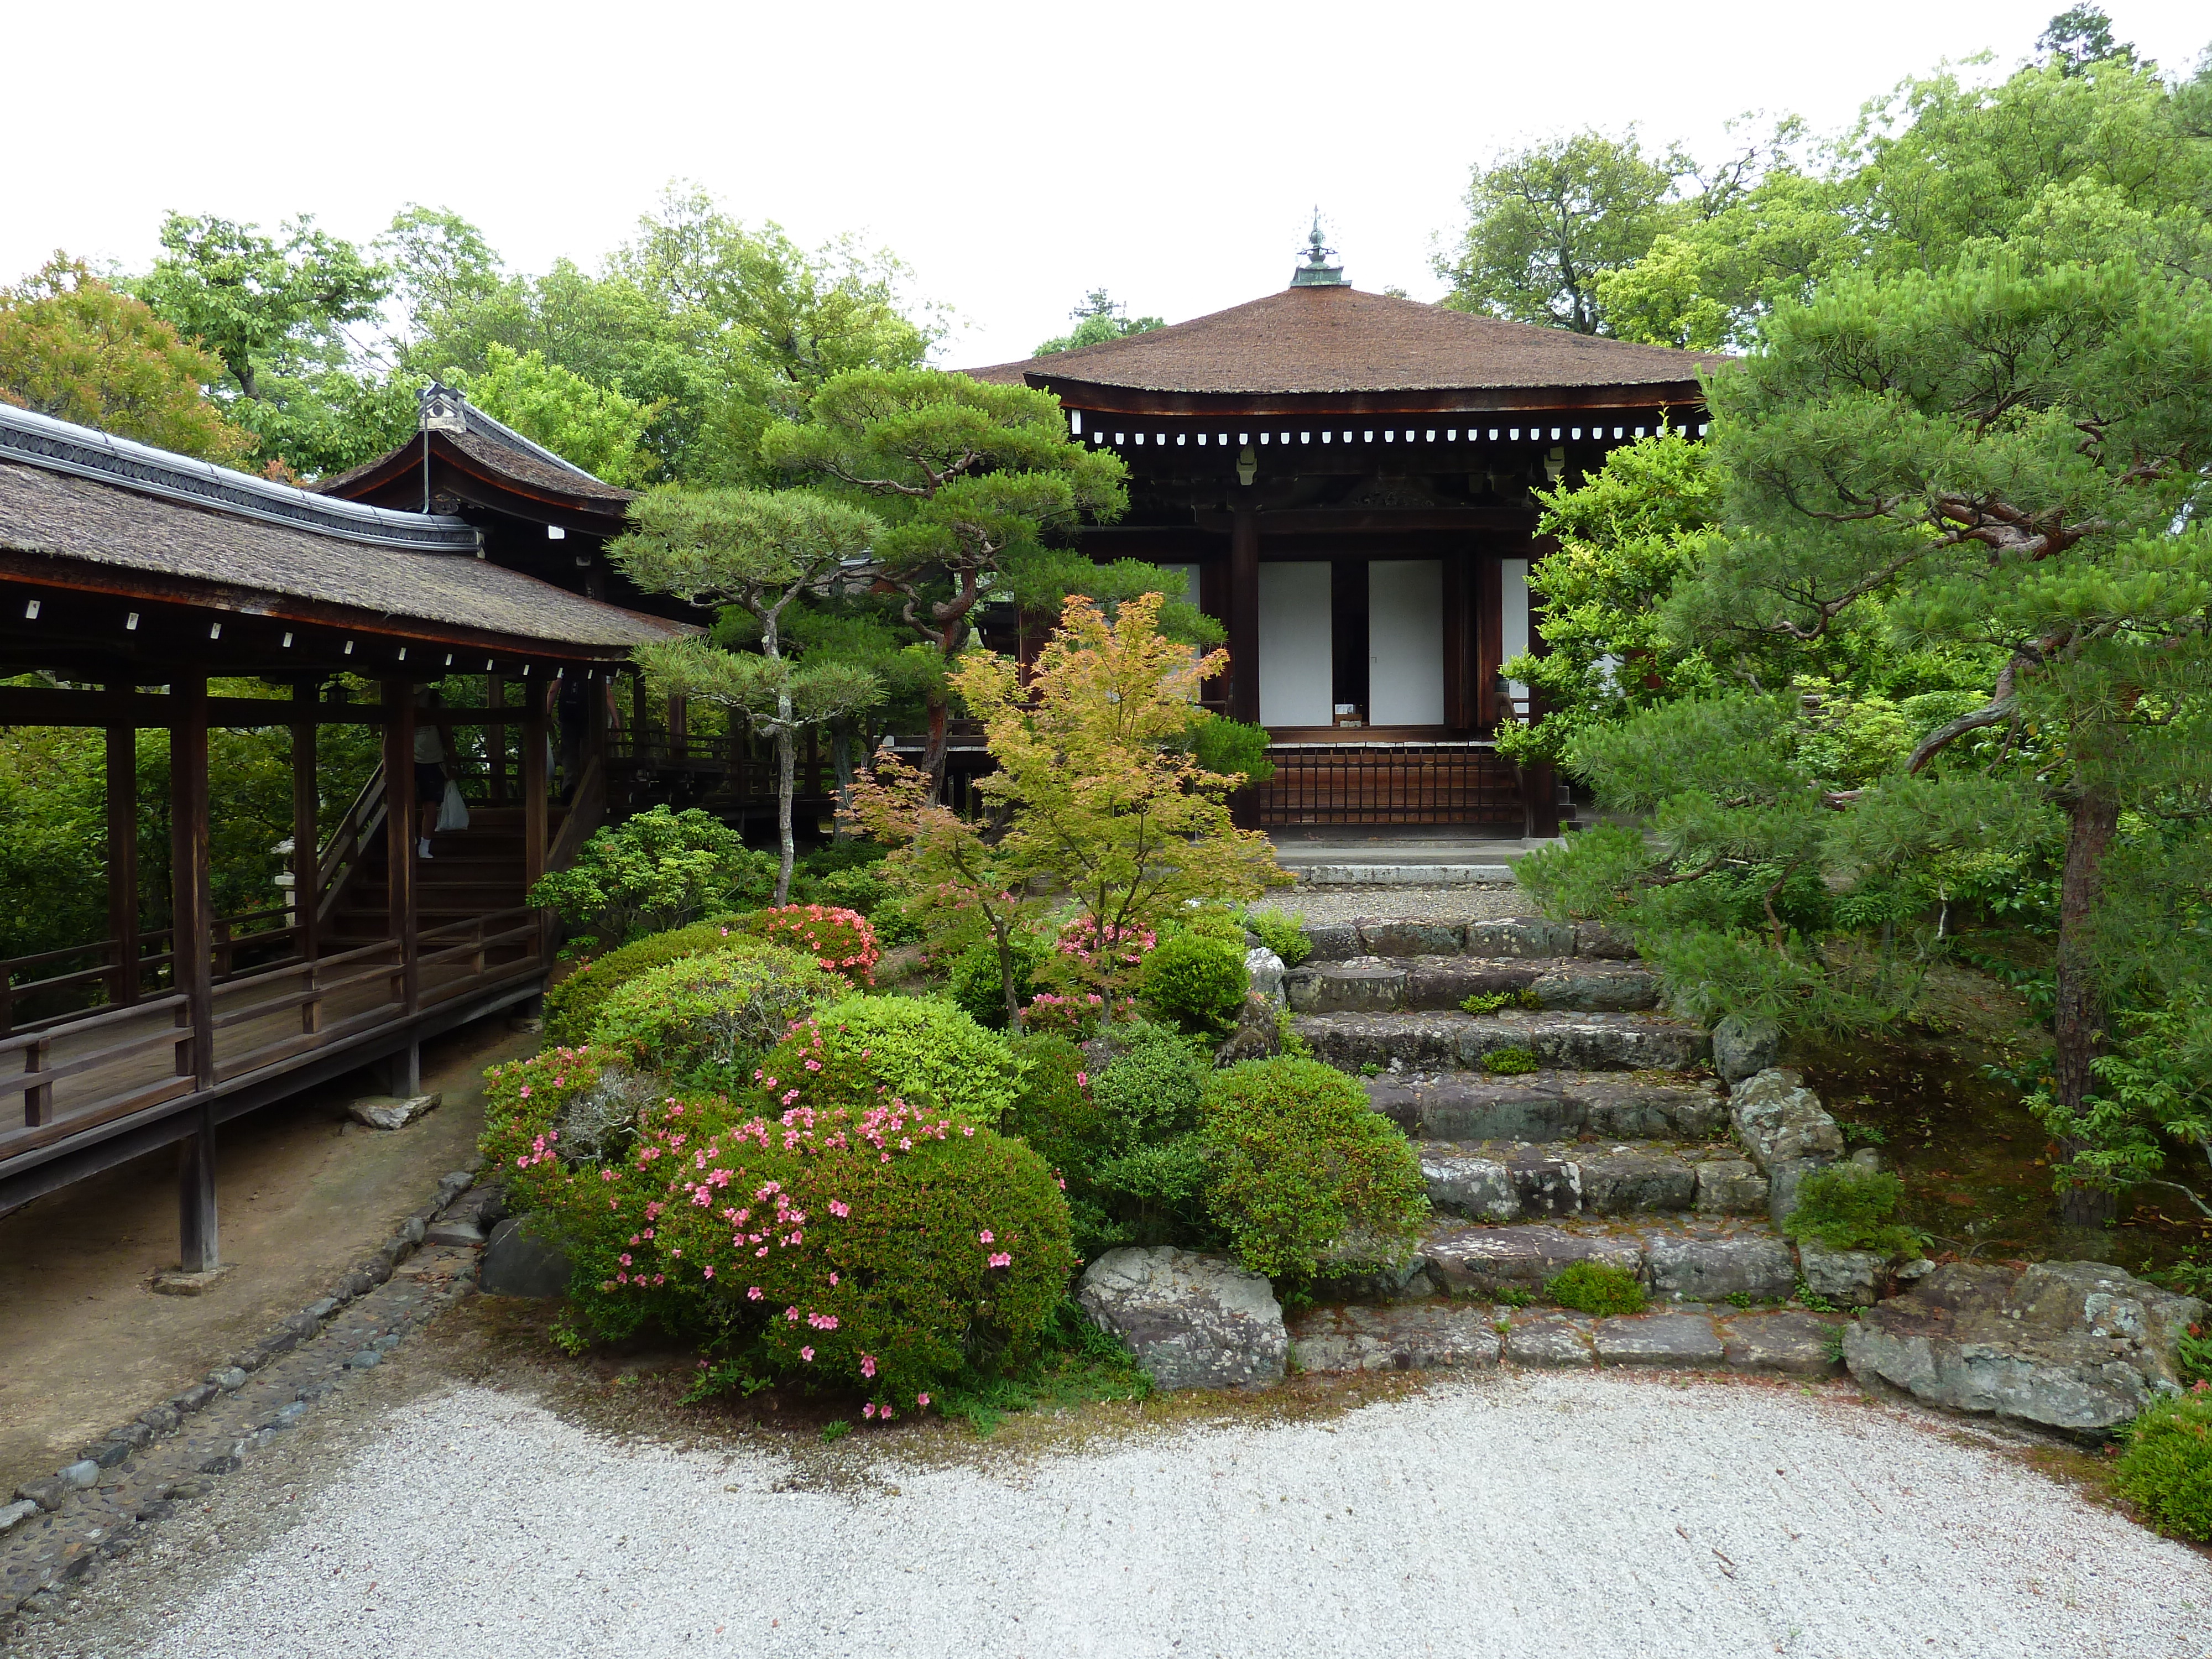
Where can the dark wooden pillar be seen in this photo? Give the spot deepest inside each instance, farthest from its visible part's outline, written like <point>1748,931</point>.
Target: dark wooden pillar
<point>1459,644</point>
<point>641,717</point>
<point>600,687</point>
<point>307,826</point>
<point>192,944</point>
<point>1244,616</point>
<point>496,739</point>
<point>123,861</point>
<point>534,783</point>
<point>1489,638</point>
<point>401,832</point>
<point>679,729</point>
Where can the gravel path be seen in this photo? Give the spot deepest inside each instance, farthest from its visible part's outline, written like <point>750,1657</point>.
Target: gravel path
<point>1464,903</point>
<point>1566,1515</point>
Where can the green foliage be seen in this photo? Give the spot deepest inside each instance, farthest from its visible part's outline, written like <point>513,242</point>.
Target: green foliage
<point>837,941</point>
<point>1597,1287</point>
<point>1510,1062</point>
<point>1076,1364</point>
<point>2154,1089</point>
<point>871,1051</point>
<point>73,347</point>
<point>1197,980</point>
<point>1303,1170</point>
<point>1144,1181</point>
<point>653,872</point>
<point>596,429</point>
<point>1510,1296</point>
<point>572,1007</point>
<point>1848,1206</point>
<point>705,1020</point>
<point>1097,319</point>
<point>1489,1002</point>
<point>977,984</point>
<point>1229,747</point>
<point>2167,1465</point>
<point>1282,935</point>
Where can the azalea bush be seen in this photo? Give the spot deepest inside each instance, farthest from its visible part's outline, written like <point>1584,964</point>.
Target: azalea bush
<point>2167,1465</point>
<point>653,872</point>
<point>865,1050</point>
<point>1198,980</point>
<point>705,1020</point>
<point>572,1007</point>
<point>838,939</point>
<point>1303,1170</point>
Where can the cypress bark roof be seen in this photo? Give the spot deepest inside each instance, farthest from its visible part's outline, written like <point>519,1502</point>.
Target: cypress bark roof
<point>1320,340</point>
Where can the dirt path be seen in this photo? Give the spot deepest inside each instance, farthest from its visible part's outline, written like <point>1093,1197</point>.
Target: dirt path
<point>303,1193</point>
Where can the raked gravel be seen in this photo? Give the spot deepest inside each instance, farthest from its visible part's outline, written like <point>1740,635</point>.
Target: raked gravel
<point>1503,1515</point>
<point>1468,903</point>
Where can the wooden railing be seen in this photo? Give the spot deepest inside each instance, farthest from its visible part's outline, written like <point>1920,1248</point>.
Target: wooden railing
<point>247,933</point>
<point>1388,783</point>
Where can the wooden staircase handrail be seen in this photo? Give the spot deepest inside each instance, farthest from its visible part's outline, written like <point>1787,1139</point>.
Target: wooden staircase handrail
<point>342,855</point>
<point>588,810</point>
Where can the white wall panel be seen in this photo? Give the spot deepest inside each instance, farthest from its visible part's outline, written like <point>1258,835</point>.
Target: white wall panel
<point>1405,642</point>
<point>1513,616</point>
<point>1296,670</point>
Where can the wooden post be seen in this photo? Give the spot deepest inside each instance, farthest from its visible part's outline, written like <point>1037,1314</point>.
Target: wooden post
<point>400,833</point>
<point>496,739</point>
<point>534,783</point>
<point>123,860</point>
<point>1489,638</point>
<point>1244,616</point>
<point>191,940</point>
<point>640,716</point>
<point>679,729</point>
<point>307,831</point>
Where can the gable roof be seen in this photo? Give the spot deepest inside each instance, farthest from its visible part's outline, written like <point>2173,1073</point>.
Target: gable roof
<point>1318,341</point>
<point>489,451</point>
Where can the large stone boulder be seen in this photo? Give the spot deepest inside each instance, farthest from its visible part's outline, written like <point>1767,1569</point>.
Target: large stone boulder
<point>1415,1336</point>
<point>1850,1278</point>
<point>1481,1261</point>
<point>1585,987</point>
<point>1788,1132</point>
<point>1264,969</point>
<point>1193,1321</point>
<point>1693,1269</point>
<point>517,1262</point>
<point>1744,1048</point>
<point>2075,1345</point>
<point>1258,1034</point>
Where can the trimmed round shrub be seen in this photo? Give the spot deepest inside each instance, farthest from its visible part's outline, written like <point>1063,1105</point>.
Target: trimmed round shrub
<point>1197,980</point>
<point>2167,1465</point>
<point>838,941</point>
<point>1597,1287</point>
<point>1303,1167</point>
<point>1281,934</point>
<point>707,1019</point>
<point>1510,1062</point>
<point>572,1007</point>
<point>921,1050</point>
<point>977,986</point>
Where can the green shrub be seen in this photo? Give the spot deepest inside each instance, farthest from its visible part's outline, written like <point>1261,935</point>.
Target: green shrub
<point>1489,1002</point>
<point>1147,1181</point>
<point>2167,1465</point>
<point>1510,1062</point>
<point>1221,745</point>
<point>1055,1110</point>
<point>839,941</point>
<point>1848,1206</point>
<point>861,1247</point>
<point>653,872</point>
<point>1301,1168</point>
<point>1207,922</point>
<point>1197,980</point>
<point>1280,934</point>
<point>1597,1287</point>
<point>922,1050</point>
<point>978,985</point>
<point>572,1007</point>
<point>707,1019</point>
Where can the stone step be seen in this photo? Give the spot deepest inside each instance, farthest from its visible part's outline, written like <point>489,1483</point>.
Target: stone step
<point>1521,1182</point>
<point>1685,1262</point>
<point>1401,875</point>
<point>1500,937</point>
<point>1434,983</point>
<point>1445,1042</point>
<point>1551,1105</point>
<point>1448,1336</point>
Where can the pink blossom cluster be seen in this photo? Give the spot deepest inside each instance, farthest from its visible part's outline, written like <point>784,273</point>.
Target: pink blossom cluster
<point>816,928</point>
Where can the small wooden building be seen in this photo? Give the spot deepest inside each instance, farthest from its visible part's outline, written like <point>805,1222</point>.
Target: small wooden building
<point>1344,480</point>
<point>129,577</point>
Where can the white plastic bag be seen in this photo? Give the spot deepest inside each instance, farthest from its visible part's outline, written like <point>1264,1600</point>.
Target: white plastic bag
<point>453,814</point>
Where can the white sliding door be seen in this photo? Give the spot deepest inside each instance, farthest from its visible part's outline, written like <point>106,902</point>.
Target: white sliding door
<point>1297,672</point>
<point>1513,616</point>
<point>1405,642</point>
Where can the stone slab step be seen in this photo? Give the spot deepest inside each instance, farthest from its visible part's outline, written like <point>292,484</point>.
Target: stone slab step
<point>1551,1105</point>
<point>1521,1182</point>
<point>1442,1041</point>
<point>1706,1265</point>
<point>1381,984</point>
<point>1502,937</point>
<point>1402,875</point>
<point>1451,1336</point>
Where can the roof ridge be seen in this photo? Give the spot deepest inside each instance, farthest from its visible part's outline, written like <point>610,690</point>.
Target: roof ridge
<point>477,418</point>
<point>56,446</point>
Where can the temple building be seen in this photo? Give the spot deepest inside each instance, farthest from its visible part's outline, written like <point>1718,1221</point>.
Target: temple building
<point>1343,481</point>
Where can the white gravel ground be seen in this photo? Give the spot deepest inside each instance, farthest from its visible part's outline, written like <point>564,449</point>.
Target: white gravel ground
<point>1467,903</point>
<point>1560,1515</point>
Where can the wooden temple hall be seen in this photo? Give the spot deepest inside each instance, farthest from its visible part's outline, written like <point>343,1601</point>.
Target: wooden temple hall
<point>129,579</point>
<point>1343,479</point>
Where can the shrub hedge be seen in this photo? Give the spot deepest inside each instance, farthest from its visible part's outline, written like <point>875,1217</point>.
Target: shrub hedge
<point>2167,1465</point>
<point>864,1050</point>
<point>838,941</point>
<point>1198,980</point>
<point>705,1020</point>
<point>1280,934</point>
<point>572,1007</point>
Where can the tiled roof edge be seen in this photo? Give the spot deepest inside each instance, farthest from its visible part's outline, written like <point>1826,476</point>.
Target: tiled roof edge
<point>40,441</point>
<point>507,434</point>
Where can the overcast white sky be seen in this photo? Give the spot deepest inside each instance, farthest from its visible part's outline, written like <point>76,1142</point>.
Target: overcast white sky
<point>1015,155</point>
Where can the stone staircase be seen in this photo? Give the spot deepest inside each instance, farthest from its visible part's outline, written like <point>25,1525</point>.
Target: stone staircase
<point>1617,1147</point>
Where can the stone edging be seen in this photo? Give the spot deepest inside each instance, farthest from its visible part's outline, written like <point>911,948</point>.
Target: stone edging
<point>57,1531</point>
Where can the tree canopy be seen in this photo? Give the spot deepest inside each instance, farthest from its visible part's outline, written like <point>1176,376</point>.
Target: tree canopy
<point>1099,318</point>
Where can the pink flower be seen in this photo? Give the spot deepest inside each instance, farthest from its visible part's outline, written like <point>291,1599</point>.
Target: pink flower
<point>984,1237</point>
<point>1083,1080</point>
<point>923,1401</point>
<point>710,1272</point>
<point>1001,1259</point>
<point>808,1354</point>
<point>868,1410</point>
<point>867,1365</point>
<point>526,1091</point>
<point>791,1314</point>
<point>753,1293</point>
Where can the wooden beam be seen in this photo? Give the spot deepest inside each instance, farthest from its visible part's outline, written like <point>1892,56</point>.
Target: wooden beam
<point>399,834</point>
<point>1244,617</point>
<point>198,1238</point>
<point>1459,644</point>
<point>23,705</point>
<point>123,860</point>
<point>307,828</point>
<point>495,740</point>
